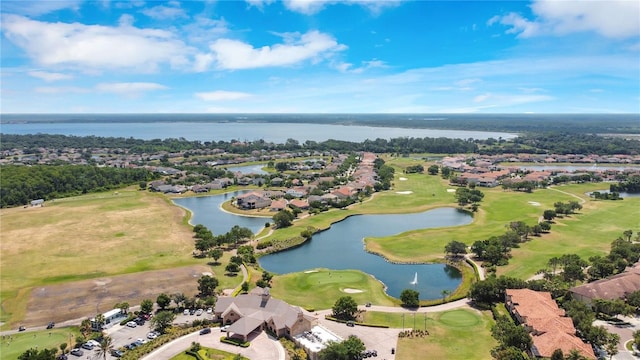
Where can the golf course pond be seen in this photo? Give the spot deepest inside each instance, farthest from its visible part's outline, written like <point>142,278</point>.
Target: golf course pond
<point>341,246</point>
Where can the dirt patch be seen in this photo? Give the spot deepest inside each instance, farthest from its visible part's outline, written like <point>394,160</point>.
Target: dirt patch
<point>86,298</point>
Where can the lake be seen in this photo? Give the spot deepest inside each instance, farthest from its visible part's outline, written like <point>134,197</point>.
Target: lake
<point>216,131</point>
<point>341,246</point>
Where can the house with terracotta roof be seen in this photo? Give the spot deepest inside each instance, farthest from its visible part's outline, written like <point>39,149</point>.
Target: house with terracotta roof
<point>614,287</point>
<point>258,311</point>
<point>550,329</point>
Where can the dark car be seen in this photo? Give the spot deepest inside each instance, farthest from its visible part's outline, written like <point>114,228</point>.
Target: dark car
<point>51,325</point>
<point>22,328</point>
<point>139,321</point>
<point>351,324</point>
<point>62,357</point>
<point>205,331</point>
<point>116,353</point>
<point>77,352</point>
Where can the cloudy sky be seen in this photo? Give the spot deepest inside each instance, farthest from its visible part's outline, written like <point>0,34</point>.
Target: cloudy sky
<point>301,56</point>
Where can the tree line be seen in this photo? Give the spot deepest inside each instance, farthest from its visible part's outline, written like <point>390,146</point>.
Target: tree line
<point>21,184</point>
<point>542,143</point>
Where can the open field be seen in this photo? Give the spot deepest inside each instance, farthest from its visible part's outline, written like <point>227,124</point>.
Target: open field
<point>88,237</point>
<point>455,334</point>
<point>320,288</point>
<point>12,347</point>
<point>80,299</point>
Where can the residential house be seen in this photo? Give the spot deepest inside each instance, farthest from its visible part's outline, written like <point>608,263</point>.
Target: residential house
<point>252,200</point>
<point>299,203</point>
<point>278,205</point>
<point>614,287</point>
<point>547,324</point>
<point>258,311</point>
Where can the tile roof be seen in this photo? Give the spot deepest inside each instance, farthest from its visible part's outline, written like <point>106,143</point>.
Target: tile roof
<point>615,287</point>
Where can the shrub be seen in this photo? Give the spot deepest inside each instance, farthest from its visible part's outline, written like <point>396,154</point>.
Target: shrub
<point>236,342</point>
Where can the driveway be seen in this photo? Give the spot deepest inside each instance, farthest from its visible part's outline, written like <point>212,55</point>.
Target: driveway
<point>262,346</point>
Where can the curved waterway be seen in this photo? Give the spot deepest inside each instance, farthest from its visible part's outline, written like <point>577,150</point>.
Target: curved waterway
<point>341,246</point>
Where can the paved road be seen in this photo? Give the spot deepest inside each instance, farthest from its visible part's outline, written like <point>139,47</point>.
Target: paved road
<point>263,347</point>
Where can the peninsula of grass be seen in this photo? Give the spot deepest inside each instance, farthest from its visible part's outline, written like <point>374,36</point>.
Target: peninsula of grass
<point>454,334</point>
<point>319,289</point>
<point>13,345</point>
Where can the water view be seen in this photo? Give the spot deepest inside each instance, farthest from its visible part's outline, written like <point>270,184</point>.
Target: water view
<point>341,246</point>
<point>247,169</point>
<point>215,131</point>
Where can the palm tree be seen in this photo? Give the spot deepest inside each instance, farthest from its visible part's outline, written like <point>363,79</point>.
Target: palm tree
<point>85,327</point>
<point>445,293</point>
<point>106,346</point>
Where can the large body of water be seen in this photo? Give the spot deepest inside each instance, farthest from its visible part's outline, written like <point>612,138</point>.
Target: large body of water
<point>216,131</point>
<point>342,247</point>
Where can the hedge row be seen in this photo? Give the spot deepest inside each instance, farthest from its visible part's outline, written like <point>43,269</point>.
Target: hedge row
<point>236,342</point>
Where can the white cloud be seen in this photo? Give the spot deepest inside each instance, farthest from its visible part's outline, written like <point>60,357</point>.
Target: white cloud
<point>40,7</point>
<point>365,65</point>
<point>234,54</point>
<point>161,12</point>
<point>49,76</point>
<point>95,47</point>
<point>310,7</point>
<point>222,95</point>
<point>129,88</point>
<point>613,18</point>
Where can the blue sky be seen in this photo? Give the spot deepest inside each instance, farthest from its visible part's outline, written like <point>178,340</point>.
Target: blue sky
<point>296,56</point>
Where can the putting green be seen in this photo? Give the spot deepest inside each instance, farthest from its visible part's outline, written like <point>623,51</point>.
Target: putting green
<point>459,318</point>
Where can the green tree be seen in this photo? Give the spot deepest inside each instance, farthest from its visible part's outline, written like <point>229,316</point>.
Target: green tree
<point>99,321</point>
<point>245,287</point>
<point>510,334</point>
<point>162,321</point>
<point>85,327</point>
<point>611,346</point>
<point>345,308</point>
<point>106,346</point>
<point>215,254</point>
<point>207,285</point>
<point>347,350</point>
<point>557,355</point>
<point>63,347</point>
<point>410,298</point>
<point>146,306</point>
<point>455,249</point>
<point>232,268</point>
<point>549,215</point>
<point>283,218</point>
<point>35,354</point>
<point>179,298</point>
<point>163,300</point>
<point>123,306</point>
<point>433,170</point>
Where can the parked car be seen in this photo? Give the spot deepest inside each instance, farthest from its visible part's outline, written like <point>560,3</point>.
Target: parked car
<point>209,311</point>
<point>77,352</point>
<point>225,328</point>
<point>87,346</point>
<point>185,312</point>
<point>139,321</point>
<point>152,335</point>
<point>192,311</point>
<point>51,325</point>
<point>351,323</point>
<point>62,357</point>
<point>22,328</point>
<point>116,353</point>
<point>132,324</point>
<point>205,331</point>
<point>199,312</point>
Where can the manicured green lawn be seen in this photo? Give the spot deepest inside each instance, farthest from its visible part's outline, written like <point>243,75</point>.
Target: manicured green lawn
<point>208,354</point>
<point>320,290</point>
<point>456,334</point>
<point>46,339</point>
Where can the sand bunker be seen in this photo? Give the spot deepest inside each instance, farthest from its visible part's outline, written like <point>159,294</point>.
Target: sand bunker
<point>451,190</point>
<point>403,179</point>
<point>310,271</point>
<point>404,192</point>
<point>352,291</point>
<point>534,203</point>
